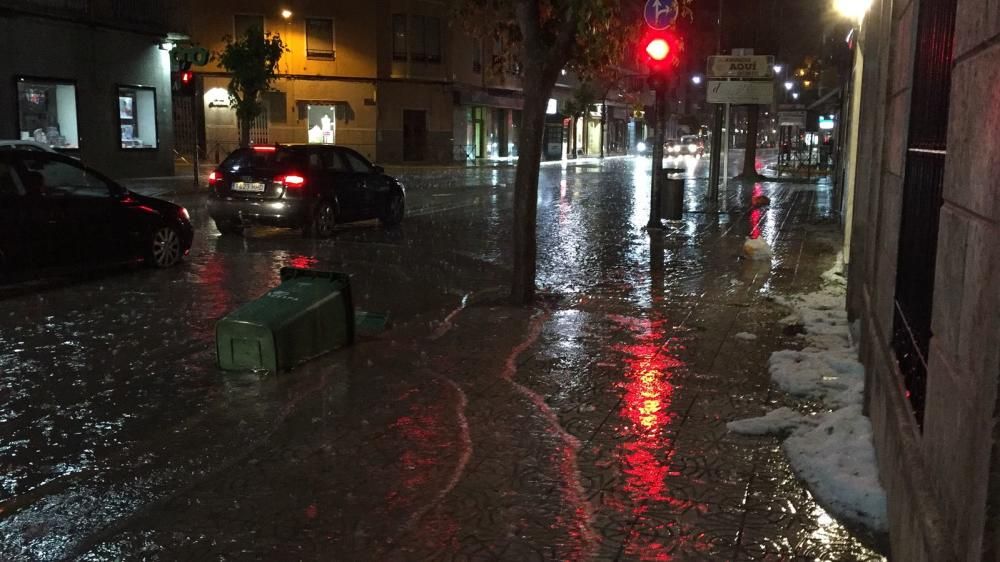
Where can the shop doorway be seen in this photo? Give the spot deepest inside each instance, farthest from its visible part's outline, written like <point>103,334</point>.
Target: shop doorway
<point>414,135</point>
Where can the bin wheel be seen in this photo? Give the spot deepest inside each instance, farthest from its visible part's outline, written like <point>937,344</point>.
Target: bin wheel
<point>395,209</point>
<point>231,228</point>
<point>164,247</point>
<point>324,220</point>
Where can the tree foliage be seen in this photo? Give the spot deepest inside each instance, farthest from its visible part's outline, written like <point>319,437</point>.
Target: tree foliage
<point>252,61</point>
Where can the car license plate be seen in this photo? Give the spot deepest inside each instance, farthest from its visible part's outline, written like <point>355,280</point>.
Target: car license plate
<point>254,186</point>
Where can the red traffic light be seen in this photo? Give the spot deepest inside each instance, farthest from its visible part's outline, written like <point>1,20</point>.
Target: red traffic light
<point>186,77</point>
<point>658,49</point>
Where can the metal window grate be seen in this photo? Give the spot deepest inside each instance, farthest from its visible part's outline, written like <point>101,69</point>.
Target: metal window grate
<point>921,205</point>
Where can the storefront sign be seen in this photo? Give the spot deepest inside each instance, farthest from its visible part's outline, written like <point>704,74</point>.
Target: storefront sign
<point>190,55</point>
<point>755,66</point>
<point>740,92</point>
<point>792,118</point>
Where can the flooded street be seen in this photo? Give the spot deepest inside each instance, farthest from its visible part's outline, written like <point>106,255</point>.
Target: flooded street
<point>590,427</point>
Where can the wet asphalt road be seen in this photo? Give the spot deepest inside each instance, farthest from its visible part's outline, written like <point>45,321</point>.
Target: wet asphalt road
<point>114,416</point>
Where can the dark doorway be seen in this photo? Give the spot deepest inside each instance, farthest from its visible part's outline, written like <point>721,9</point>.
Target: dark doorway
<point>414,135</point>
<point>500,121</point>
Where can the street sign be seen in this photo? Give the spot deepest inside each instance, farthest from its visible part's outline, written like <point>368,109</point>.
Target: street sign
<point>756,66</point>
<point>792,119</point>
<point>660,14</point>
<point>740,92</point>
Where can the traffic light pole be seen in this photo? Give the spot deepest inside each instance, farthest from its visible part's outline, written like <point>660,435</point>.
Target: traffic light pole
<point>715,162</point>
<point>659,137</point>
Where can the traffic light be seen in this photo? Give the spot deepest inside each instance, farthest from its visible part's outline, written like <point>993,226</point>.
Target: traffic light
<point>182,82</point>
<point>658,53</point>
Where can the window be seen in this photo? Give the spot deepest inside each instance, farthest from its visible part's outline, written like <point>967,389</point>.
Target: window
<point>421,39</point>
<point>8,183</point>
<point>55,178</point>
<point>417,44</point>
<point>357,163</point>
<point>46,112</point>
<point>242,23</point>
<point>432,38</point>
<point>137,117</point>
<point>321,123</point>
<point>399,36</point>
<point>334,162</point>
<point>319,38</point>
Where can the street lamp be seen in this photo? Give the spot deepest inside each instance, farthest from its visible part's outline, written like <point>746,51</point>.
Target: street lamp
<point>789,86</point>
<point>795,95</point>
<point>854,9</point>
<point>777,68</point>
<point>286,13</point>
<point>696,79</point>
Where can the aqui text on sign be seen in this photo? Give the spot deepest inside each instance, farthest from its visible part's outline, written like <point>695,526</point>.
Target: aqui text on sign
<point>754,66</point>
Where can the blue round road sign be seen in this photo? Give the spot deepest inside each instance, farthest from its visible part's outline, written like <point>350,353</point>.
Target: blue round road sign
<point>660,14</point>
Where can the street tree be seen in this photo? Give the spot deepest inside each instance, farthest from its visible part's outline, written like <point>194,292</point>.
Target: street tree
<point>252,61</point>
<point>540,38</point>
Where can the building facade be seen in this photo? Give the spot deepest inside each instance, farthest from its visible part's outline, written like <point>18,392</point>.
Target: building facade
<point>394,79</point>
<point>89,77</point>
<point>923,207</point>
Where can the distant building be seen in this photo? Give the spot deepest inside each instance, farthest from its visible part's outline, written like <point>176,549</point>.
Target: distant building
<point>923,219</point>
<point>89,77</point>
<point>395,80</point>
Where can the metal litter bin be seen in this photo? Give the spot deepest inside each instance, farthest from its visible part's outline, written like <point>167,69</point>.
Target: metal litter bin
<point>308,314</point>
<point>671,194</point>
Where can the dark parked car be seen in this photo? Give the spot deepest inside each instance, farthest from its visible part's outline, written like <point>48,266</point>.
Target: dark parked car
<point>312,187</point>
<point>55,211</point>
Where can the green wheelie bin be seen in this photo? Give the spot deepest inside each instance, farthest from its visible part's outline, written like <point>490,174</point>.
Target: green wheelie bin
<point>308,314</point>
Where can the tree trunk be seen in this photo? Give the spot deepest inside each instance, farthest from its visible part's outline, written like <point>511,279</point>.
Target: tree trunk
<point>573,138</point>
<point>750,152</point>
<point>604,120</point>
<point>245,132</point>
<point>536,94</point>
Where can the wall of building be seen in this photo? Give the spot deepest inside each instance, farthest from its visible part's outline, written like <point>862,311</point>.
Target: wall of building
<point>435,100</point>
<point>943,480</point>
<point>97,60</point>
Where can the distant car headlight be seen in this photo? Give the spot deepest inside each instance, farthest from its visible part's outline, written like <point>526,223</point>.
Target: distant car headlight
<point>692,147</point>
<point>640,146</point>
<point>674,149</point>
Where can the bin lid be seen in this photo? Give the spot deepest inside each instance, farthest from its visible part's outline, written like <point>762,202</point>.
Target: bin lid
<point>296,294</point>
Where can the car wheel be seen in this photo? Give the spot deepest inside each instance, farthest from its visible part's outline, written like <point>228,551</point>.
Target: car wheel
<point>232,228</point>
<point>324,220</point>
<point>395,209</point>
<point>164,247</point>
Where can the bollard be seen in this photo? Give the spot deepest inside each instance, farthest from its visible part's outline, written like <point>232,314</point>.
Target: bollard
<point>671,195</point>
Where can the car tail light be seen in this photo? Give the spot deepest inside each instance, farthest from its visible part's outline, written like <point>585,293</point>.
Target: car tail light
<point>292,181</point>
<point>213,178</point>
<point>265,148</point>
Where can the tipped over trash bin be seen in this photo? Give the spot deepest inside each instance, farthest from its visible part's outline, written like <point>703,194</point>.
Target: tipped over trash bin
<point>309,314</point>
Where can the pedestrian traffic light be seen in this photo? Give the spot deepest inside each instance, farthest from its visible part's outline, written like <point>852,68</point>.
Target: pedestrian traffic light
<point>182,82</point>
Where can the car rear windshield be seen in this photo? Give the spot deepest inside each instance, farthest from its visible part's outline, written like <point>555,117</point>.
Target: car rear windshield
<point>245,159</point>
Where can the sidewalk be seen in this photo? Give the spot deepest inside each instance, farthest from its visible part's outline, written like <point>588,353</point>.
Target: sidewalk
<point>589,427</point>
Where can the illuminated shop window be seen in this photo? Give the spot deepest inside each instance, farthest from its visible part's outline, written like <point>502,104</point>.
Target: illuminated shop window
<point>46,112</point>
<point>137,117</point>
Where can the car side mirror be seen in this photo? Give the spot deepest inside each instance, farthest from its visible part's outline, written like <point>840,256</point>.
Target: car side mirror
<point>378,169</point>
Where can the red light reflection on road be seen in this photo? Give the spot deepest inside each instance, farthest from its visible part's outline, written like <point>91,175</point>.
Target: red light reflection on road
<point>425,458</point>
<point>756,212</point>
<point>302,262</point>
<point>647,448</point>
